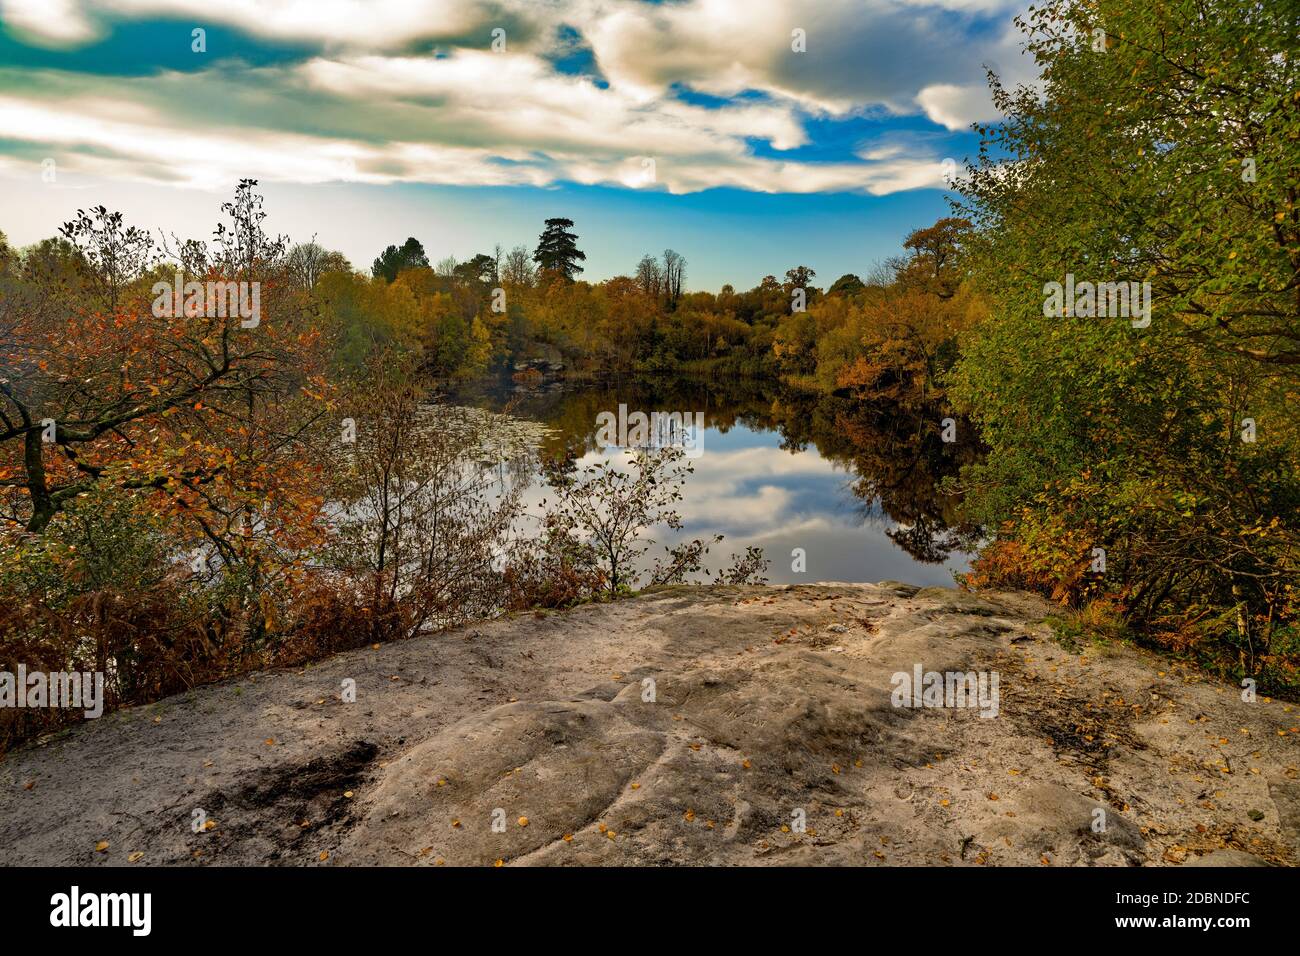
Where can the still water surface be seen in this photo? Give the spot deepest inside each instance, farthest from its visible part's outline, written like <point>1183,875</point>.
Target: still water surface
<point>857,490</point>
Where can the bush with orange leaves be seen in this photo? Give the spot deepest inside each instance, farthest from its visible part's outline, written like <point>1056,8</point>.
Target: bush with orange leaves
<point>1039,554</point>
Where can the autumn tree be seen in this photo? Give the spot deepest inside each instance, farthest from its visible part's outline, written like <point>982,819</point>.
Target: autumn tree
<point>308,261</point>
<point>935,261</point>
<point>518,269</point>
<point>111,392</point>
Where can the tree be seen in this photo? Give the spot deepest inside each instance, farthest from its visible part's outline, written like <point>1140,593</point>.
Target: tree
<point>1160,149</point>
<point>847,284</point>
<point>481,270</point>
<point>649,276</point>
<point>518,267</point>
<point>308,261</point>
<point>606,506</point>
<point>114,254</point>
<point>674,272</point>
<point>198,425</point>
<point>557,250</point>
<point>394,259</point>
<point>935,261</point>
<point>800,277</point>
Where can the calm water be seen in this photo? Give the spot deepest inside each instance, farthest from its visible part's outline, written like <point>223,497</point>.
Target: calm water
<point>856,490</point>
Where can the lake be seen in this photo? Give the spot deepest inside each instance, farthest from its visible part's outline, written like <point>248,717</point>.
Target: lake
<point>857,489</point>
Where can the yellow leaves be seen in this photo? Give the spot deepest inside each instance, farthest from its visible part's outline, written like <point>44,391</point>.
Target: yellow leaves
<point>324,855</point>
<point>746,764</point>
<point>209,825</point>
<point>499,863</point>
<point>101,846</point>
<point>523,821</point>
<point>689,815</point>
<point>567,838</point>
<point>636,786</point>
<point>347,794</point>
<point>135,857</point>
<point>269,741</point>
<point>944,803</point>
<point>455,824</point>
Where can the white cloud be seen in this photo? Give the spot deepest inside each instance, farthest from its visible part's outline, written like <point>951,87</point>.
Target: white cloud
<point>956,107</point>
<point>55,23</point>
<point>364,108</point>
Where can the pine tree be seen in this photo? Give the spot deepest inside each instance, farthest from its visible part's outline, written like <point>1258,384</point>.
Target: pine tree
<point>557,249</point>
<point>409,255</point>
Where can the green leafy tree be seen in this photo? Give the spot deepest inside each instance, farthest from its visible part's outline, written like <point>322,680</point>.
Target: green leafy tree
<point>847,284</point>
<point>1164,148</point>
<point>394,259</point>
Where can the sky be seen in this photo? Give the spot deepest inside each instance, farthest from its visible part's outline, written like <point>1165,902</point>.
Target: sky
<point>748,135</point>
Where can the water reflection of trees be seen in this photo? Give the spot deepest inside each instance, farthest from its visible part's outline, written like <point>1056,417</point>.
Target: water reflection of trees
<point>896,456</point>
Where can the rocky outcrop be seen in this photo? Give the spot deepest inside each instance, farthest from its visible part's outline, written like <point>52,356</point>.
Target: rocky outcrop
<point>724,725</point>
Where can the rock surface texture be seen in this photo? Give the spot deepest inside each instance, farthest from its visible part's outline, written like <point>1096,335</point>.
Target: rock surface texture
<point>696,726</point>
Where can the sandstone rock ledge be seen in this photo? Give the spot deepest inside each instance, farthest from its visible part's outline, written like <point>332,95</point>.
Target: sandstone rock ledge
<point>771,705</point>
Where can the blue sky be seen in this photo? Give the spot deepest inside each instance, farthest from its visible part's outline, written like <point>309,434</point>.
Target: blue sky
<point>749,135</point>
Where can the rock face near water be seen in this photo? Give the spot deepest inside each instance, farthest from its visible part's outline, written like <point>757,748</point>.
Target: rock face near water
<point>723,725</point>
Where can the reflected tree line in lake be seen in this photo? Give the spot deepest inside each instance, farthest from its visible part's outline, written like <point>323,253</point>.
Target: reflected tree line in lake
<point>901,469</point>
